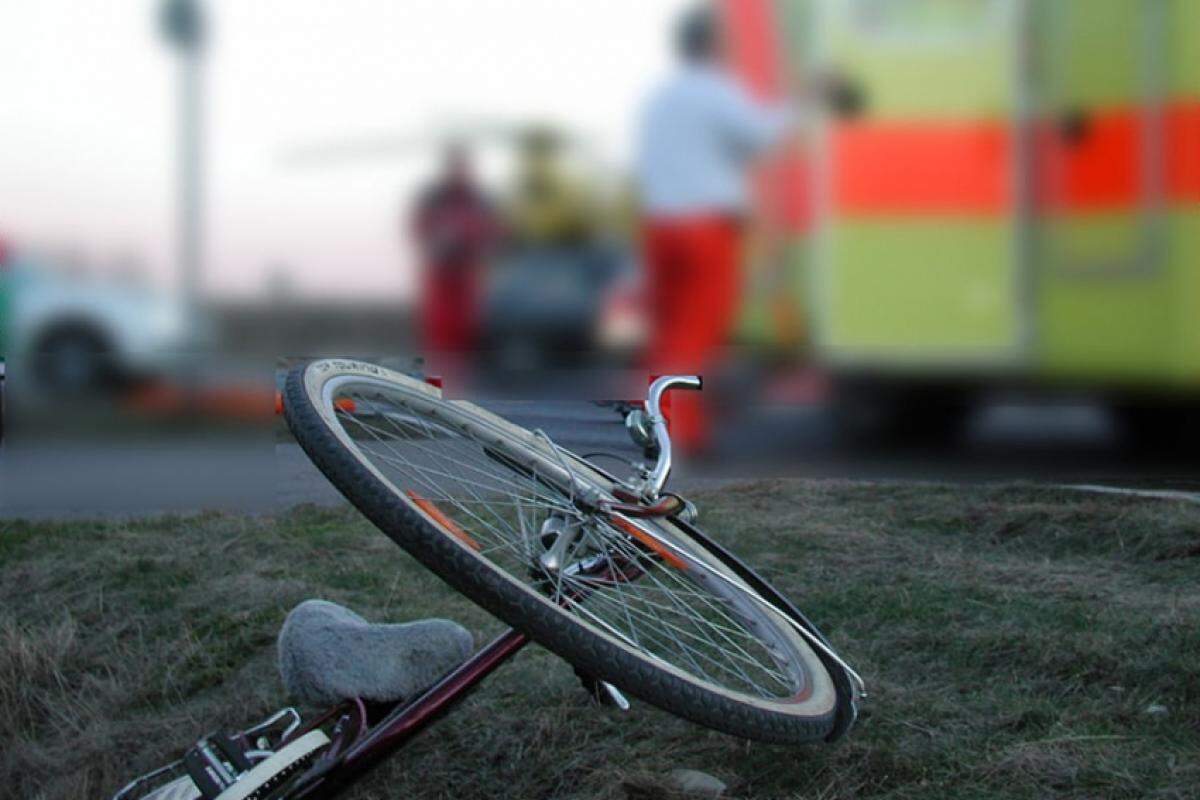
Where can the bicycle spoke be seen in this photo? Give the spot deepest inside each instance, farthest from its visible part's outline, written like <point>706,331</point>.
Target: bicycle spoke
<point>503,505</point>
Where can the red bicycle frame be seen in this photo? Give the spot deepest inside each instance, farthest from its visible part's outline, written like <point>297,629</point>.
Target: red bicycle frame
<point>328,776</point>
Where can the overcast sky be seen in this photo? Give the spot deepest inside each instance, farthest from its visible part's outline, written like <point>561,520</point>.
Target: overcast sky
<point>87,102</point>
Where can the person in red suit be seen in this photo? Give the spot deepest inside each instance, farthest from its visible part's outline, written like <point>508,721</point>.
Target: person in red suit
<point>699,135</point>
<point>455,226</point>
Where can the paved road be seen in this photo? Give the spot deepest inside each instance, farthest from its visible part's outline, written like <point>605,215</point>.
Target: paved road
<point>1074,445</point>
<point>1062,445</point>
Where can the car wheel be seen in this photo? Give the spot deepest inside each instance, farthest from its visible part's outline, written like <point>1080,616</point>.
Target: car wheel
<point>73,361</point>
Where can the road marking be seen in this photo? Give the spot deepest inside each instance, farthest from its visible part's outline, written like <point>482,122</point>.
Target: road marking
<point>1157,494</point>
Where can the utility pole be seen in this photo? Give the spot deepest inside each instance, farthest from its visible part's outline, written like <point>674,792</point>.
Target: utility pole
<point>183,26</point>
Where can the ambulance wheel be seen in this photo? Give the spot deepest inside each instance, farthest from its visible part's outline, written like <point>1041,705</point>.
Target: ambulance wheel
<point>880,414</point>
<point>1158,428</point>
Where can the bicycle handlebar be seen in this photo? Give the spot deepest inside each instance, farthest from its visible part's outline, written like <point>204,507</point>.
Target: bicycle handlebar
<point>658,425</point>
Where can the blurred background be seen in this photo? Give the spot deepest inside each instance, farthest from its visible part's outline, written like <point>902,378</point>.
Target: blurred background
<point>943,239</point>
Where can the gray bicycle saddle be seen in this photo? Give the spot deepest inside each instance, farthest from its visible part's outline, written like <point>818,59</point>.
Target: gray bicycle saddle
<point>328,654</point>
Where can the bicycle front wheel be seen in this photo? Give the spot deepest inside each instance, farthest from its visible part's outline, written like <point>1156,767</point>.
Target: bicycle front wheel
<point>509,520</point>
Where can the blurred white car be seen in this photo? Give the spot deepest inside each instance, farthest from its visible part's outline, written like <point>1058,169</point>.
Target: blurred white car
<point>74,334</point>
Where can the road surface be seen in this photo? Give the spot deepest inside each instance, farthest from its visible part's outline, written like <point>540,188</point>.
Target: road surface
<point>261,474</point>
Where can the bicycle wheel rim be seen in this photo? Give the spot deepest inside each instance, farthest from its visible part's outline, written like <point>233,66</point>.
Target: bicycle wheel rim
<point>324,385</point>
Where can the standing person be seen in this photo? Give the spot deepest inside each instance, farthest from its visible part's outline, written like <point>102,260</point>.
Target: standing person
<point>549,206</point>
<point>699,135</point>
<point>454,225</point>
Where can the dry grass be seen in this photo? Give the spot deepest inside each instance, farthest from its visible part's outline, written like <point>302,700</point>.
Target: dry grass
<point>1014,639</point>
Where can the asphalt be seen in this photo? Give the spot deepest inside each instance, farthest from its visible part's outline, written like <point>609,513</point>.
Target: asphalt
<point>1067,445</point>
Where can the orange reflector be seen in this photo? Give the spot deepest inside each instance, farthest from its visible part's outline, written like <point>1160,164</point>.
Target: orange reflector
<point>341,404</point>
<point>440,518</point>
<point>658,547</point>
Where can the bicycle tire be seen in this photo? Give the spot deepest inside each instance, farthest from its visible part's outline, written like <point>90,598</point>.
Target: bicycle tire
<point>586,646</point>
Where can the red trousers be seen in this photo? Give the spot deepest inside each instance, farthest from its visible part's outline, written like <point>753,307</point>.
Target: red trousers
<point>449,309</point>
<point>694,276</point>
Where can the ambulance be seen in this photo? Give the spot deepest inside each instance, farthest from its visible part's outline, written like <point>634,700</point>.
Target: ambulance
<point>1007,194</point>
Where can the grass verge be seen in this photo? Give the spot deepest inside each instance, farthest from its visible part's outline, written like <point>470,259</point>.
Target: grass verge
<point>1019,643</point>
